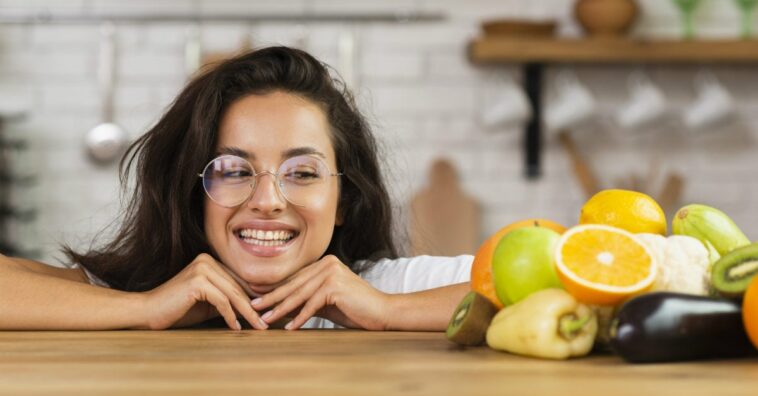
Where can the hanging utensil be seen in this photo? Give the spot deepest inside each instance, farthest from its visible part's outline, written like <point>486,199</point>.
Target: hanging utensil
<point>346,58</point>
<point>193,53</point>
<point>581,166</point>
<point>671,192</point>
<point>106,141</point>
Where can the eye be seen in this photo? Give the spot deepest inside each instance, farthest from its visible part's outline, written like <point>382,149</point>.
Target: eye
<point>302,174</point>
<point>233,174</point>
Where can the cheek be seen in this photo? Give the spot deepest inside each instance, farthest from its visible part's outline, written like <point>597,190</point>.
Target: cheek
<point>320,220</point>
<point>216,218</point>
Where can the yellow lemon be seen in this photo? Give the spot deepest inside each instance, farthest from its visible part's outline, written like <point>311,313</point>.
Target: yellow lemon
<point>629,210</point>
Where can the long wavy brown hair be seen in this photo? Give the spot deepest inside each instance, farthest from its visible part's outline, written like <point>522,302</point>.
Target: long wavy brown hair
<point>161,230</point>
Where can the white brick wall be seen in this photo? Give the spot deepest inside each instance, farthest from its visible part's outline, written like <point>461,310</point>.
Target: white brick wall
<point>416,86</point>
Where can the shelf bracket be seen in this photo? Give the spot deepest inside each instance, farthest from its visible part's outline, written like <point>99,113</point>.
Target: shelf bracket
<point>533,74</point>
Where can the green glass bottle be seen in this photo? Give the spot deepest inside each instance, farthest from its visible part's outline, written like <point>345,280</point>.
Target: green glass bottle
<point>746,9</point>
<point>687,7</point>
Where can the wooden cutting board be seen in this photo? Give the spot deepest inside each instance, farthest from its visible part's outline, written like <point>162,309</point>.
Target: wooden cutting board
<point>443,219</point>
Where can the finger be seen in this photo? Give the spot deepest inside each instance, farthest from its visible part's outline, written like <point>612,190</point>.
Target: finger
<point>237,297</point>
<point>294,283</point>
<point>224,279</point>
<point>223,306</point>
<point>314,304</point>
<point>200,312</point>
<point>295,300</point>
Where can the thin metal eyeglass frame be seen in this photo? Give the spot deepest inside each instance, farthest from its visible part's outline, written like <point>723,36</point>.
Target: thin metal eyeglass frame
<point>254,183</point>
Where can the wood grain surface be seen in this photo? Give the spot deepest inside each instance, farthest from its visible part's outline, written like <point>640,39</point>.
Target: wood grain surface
<point>498,50</point>
<point>329,362</point>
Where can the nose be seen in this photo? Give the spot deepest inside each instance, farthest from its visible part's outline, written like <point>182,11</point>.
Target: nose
<point>266,197</point>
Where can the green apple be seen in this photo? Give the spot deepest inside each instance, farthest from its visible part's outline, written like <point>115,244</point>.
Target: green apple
<point>523,263</point>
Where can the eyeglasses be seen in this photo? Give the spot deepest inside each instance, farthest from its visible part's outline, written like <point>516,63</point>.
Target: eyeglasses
<point>230,180</point>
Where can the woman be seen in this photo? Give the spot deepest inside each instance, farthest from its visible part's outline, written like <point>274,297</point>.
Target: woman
<point>258,194</point>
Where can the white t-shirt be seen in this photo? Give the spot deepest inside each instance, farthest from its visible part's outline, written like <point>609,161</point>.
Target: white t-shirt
<point>393,276</point>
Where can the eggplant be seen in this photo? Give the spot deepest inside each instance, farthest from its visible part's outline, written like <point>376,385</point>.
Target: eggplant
<point>666,327</point>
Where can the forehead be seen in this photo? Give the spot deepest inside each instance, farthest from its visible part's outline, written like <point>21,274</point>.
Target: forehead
<point>269,125</point>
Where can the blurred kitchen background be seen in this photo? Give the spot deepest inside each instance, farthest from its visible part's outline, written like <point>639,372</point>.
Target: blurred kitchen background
<point>442,119</point>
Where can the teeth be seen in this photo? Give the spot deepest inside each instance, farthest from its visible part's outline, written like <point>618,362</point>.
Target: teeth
<point>258,242</point>
<point>267,236</point>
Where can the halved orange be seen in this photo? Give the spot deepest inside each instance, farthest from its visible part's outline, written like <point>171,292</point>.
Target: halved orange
<point>604,265</point>
<point>481,269</point>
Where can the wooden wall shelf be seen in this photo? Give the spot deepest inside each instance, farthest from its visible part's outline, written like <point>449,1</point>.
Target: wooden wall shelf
<point>499,50</point>
<point>535,53</point>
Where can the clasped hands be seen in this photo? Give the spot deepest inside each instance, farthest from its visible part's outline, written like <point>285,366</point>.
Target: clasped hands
<point>326,288</point>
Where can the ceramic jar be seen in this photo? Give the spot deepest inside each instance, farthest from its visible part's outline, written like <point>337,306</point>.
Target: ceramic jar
<point>606,18</point>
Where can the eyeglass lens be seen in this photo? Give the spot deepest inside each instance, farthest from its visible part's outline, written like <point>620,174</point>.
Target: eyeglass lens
<point>230,180</point>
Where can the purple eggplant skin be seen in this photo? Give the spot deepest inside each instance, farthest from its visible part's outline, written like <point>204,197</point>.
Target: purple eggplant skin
<point>668,327</point>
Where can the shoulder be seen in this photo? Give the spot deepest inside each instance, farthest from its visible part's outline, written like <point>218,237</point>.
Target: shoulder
<point>410,274</point>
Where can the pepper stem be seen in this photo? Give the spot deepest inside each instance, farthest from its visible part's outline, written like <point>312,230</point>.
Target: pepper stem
<point>569,325</point>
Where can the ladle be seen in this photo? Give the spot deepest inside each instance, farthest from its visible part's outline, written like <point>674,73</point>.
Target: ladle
<point>106,141</point>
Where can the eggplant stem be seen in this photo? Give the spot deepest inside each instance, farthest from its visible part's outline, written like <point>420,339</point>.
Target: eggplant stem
<point>569,325</point>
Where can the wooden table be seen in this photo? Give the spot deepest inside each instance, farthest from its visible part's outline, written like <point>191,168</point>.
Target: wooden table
<point>329,362</point>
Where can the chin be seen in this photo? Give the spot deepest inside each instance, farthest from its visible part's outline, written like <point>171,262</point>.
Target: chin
<point>261,274</point>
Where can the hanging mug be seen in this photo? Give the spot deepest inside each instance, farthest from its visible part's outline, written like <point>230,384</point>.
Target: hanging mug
<point>646,104</point>
<point>713,104</point>
<point>573,104</point>
<point>510,107</point>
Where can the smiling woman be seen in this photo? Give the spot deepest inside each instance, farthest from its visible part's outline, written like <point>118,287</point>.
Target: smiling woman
<point>260,182</point>
<point>270,129</point>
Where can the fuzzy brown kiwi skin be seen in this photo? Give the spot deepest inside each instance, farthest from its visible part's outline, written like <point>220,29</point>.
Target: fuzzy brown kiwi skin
<point>469,328</point>
<point>725,283</point>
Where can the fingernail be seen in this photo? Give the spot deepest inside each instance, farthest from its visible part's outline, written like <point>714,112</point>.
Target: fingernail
<point>267,315</point>
<point>256,301</point>
<point>288,326</point>
<point>237,325</point>
<point>262,323</point>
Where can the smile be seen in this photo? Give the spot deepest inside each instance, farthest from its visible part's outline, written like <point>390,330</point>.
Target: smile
<point>265,238</point>
<point>265,243</point>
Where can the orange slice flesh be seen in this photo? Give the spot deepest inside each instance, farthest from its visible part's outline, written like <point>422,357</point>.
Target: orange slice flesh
<point>604,265</point>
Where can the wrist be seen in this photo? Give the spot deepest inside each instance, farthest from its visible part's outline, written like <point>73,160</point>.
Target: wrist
<point>391,311</point>
<point>427,310</point>
<point>137,307</point>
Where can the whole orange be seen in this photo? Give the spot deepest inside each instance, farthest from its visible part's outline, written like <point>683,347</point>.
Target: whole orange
<point>481,269</point>
<point>750,311</point>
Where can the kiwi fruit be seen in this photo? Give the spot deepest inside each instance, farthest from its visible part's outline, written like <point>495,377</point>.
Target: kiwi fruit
<point>469,323</point>
<point>732,273</point>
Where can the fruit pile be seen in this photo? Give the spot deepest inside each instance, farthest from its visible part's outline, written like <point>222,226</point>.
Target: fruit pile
<point>615,281</point>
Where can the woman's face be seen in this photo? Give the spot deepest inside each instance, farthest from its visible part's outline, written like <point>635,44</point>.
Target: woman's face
<point>267,130</point>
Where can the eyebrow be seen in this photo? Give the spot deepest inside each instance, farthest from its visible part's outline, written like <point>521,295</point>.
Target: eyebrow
<point>289,153</point>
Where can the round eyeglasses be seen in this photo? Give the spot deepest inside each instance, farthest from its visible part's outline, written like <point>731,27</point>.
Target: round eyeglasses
<point>230,180</point>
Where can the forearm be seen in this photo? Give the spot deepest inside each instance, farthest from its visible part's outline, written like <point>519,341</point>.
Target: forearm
<point>35,301</point>
<point>427,310</point>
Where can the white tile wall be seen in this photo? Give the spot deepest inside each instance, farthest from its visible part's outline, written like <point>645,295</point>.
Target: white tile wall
<point>416,86</point>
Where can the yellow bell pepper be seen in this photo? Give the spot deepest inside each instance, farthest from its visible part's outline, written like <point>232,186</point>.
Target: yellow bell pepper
<point>547,324</point>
